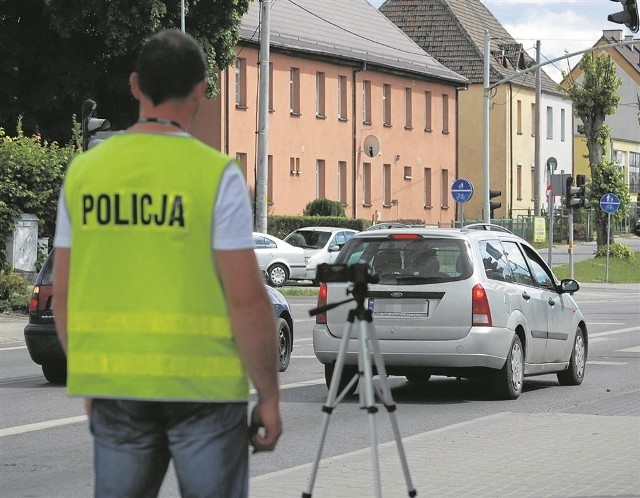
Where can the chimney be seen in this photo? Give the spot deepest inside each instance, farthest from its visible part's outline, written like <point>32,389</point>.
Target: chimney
<point>615,34</point>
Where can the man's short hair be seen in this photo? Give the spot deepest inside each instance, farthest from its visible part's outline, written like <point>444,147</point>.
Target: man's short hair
<point>170,65</point>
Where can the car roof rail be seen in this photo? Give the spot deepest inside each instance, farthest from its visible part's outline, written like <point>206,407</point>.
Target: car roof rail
<point>486,226</point>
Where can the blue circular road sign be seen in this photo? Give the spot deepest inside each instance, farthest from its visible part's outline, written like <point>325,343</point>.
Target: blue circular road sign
<point>461,190</point>
<point>609,203</point>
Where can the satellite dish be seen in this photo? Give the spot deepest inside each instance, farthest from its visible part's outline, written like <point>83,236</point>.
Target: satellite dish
<point>371,146</point>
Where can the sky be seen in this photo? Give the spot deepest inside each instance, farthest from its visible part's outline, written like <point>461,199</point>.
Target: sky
<point>560,25</point>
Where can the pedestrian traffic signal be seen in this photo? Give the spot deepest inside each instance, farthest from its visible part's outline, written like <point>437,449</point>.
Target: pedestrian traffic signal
<point>493,205</point>
<point>576,197</point>
<point>628,17</point>
<point>92,125</point>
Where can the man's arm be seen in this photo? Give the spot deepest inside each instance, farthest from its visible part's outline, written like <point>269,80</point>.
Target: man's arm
<point>60,291</point>
<point>254,329</point>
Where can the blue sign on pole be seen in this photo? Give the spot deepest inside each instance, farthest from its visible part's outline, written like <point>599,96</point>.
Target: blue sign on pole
<point>461,190</point>
<point>609,203</point>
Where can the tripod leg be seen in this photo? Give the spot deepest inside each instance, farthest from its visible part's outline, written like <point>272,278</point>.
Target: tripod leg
<point>387,400</point>
<point>368,401</point>
<point>330,404</point>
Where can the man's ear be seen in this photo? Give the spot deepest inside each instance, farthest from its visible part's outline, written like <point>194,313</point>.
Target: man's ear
<point>134,85</point>
<point>200,90</point>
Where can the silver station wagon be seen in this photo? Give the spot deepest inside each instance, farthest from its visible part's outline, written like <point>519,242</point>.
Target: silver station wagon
<point>458,302</point>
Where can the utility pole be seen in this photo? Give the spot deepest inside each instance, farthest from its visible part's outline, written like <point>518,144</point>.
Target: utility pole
<point>182,16</point>
<point>538,139</point>
<point>262,177</point>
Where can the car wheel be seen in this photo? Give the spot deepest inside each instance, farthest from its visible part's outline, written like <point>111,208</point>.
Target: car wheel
<point>56,374</point>
<point>417,377</point>
<point>508,382</point>
<point>277,275</point>
<point>284,344</point>
<point>574,375</point>
<point>348,371</point>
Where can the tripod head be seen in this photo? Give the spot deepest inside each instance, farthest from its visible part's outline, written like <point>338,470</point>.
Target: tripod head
<point>359,275</point>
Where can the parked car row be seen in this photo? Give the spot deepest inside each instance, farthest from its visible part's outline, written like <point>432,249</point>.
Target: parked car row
<point>45,348</point>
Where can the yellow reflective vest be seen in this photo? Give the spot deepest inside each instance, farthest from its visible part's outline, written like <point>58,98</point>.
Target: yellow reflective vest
<point>147,317</point>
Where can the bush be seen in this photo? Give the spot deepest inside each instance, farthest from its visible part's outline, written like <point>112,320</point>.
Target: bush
<point>324,207</point>
<point>616,250</point>
<point>15,292</point>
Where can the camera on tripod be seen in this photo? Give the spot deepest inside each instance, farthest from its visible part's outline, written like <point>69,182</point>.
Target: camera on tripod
<point>359,274</point>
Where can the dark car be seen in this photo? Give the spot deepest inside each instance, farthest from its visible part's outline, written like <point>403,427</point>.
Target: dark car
<point>637,228</point>
<point>45,348</point>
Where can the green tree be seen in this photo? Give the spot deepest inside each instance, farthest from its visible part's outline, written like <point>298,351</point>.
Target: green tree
<point>31,174</point>
<point>56,54</point>
<point>594,98</point>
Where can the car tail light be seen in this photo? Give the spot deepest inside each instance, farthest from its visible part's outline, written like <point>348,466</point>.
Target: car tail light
<point>322,301</point>
<point>405,236</point>
<point>33,303</point>
<point>480,311</point>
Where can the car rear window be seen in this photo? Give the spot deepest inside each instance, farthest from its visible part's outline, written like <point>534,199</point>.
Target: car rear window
<point>410,261</point>
<point>309,239</point>
<point>47,271</point>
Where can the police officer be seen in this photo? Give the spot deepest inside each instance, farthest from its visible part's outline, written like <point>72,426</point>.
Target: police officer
<point>158,298</point>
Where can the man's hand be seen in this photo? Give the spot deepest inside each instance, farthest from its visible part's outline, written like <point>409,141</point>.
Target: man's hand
<point>265,428</point>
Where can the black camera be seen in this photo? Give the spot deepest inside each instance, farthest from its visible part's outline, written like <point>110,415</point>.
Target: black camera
<point>359,273</point>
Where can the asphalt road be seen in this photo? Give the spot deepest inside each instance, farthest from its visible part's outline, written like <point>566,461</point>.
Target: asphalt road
<point>45,447</point>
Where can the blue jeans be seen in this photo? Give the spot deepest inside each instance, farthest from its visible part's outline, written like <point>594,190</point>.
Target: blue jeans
<point>134,441</point>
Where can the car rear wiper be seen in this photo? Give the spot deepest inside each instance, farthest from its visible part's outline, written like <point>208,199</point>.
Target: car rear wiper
<point>418,279</point>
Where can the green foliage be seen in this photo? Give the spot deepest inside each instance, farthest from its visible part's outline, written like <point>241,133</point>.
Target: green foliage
<point>56,54</point>
<point>324,207</point>
<point>31,174</point>
<point>621,271</point>
<point>619,251</point>
<point>15,292</point>
<point>281,226</point>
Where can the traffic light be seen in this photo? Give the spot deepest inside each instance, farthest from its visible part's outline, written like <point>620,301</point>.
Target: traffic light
<point>493,205</point>
<point>576,197</point>
<point>628,17</point>
<point>584,192</point>
<point>92,125</point>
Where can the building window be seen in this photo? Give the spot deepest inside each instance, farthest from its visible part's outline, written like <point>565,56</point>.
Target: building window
<point>366,184</point>
<point>241,83</point>
<point>563,125</point>
<point>271,86</point>
<point>427,187</point>
<point>294,91</point>
<point>427,111</point>
<point>342,98</point>
<point>241,158</point>
<point>444,189</point>
<point>533,181</point>
<point>320,95</point>
<point>270,179</point>
<point>386,184</point>
<point>408,115</point>
<point>386,105</point>
<point>407,173</point>
<point>533,120</point>
<point>366,102</point>
<point>445,113</point>
<point>294,166</point>
<point>320,193</point>
<point>634,172</point>
<point>519,117</point>
<point>550,123</point>
<point>519,181</point>
<point>342,181</point>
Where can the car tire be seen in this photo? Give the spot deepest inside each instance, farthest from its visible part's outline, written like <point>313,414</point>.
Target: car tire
<point>574,375</point>
<point>348,371</point>
<point>284,344</point>
<point>56,374</point>
<point>277,275</point>
<point>509,380</point>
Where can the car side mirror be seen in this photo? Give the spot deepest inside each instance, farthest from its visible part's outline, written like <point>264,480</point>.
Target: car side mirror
<point>334,248</point>
<point>569,285</point>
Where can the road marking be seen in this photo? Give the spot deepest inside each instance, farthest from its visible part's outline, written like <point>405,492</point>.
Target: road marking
<point>613,332</point>
<point>12,348</point>
<point>634,349</point>
<point>305,357</point>
<point>612,363</point>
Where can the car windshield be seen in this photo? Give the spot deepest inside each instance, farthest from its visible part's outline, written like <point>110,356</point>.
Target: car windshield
<point>410,261</point>
<point>308,239</point>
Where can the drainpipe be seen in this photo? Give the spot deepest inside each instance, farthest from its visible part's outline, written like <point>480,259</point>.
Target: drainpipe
<point>510,212</point>
<point>226,111</point>
<point>354,143</point>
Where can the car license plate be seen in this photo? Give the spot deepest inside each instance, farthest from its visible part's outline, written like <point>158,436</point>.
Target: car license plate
<point>403,308</point>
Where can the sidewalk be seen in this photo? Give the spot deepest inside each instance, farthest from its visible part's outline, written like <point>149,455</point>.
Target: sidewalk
<point>504,455</point>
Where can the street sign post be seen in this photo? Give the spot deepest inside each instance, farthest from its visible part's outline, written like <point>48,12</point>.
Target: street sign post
<point>461,191</point>
<point>609,203</point>
<point>552,164</point>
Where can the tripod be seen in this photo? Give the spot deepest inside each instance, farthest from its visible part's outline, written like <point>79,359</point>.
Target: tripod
<point>367,345</point>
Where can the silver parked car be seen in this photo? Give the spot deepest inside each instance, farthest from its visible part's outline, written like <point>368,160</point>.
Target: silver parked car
<point>320,244</point>
<point>278,260</point>
<point>459,302</point>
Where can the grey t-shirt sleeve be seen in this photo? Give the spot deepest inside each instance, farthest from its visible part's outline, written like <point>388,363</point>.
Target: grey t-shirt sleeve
<point>232,225</point>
